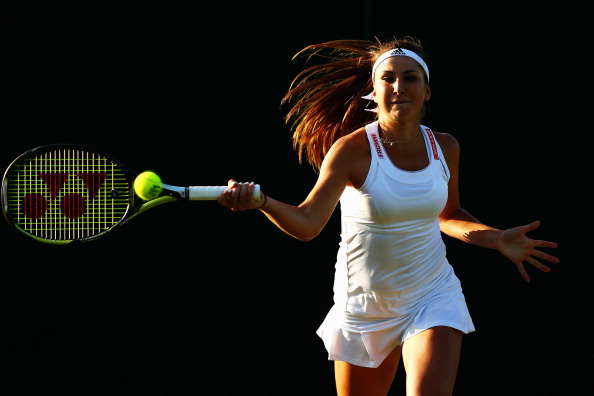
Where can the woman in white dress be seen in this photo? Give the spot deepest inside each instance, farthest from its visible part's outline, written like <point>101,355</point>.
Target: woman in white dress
<point>356,118</point>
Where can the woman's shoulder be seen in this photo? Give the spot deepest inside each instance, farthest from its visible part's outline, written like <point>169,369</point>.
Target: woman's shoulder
<point>352,153</point>
<point>449,147</point>
<point>350,149</point>
<point>354,141</point>
<point>447,142</point>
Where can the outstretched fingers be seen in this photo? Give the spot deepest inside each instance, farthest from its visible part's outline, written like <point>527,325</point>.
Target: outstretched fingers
<point>537,264</point>
<point>530,227</point>
<point>523,272</point>
<point>531,251</point>
<point>543,255</point>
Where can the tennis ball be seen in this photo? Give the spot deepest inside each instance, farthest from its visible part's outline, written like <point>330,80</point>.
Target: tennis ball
<point>148,185</point>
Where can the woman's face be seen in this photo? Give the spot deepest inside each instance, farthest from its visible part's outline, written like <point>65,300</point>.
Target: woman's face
<point>400,89</point>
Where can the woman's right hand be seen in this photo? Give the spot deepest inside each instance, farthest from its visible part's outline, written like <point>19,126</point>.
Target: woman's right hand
<point>240,196</point>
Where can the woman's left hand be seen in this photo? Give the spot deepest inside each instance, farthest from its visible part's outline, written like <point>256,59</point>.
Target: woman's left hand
<point>516,246</point>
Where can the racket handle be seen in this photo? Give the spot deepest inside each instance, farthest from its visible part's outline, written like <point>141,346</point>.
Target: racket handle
<point>197,193</point>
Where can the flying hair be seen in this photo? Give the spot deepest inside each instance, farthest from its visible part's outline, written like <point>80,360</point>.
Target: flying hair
<point>324,99</point>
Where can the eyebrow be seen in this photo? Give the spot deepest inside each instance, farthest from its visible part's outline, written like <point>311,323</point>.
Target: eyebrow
<point>404,72</point>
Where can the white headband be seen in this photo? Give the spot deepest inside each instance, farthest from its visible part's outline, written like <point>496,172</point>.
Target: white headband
<point>399,52</point>
<point>389,54</point>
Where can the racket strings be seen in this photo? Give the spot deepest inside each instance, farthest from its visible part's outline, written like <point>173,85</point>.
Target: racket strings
<point>67,194</point>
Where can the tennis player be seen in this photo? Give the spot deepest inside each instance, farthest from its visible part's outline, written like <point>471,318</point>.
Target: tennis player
<point>357,120</point>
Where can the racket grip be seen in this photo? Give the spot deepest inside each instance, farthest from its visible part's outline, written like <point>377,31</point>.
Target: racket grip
<point>204,193</point>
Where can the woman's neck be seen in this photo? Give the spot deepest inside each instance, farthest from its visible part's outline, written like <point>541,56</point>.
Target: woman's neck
<point>396,131</point>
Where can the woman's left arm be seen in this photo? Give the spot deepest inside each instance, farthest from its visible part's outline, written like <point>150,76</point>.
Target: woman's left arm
<point>458,223</point>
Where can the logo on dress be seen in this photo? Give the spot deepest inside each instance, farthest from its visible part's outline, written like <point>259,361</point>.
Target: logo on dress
<point>433,145</point>
<point>378,148</point>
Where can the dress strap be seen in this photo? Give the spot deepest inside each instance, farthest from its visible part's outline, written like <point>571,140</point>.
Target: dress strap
<point>436,149</point>
<point>374,142</point>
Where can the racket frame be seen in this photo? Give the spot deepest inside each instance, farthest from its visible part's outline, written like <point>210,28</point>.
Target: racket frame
<point>135,205</point>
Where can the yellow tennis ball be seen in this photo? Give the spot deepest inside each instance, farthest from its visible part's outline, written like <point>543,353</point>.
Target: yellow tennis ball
<point>148,185</point>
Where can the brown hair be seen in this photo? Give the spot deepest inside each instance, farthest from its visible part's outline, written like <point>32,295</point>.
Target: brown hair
<point>326,99</point>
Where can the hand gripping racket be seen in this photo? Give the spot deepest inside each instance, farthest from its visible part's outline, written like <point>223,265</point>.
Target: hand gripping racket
<point>63,193</point>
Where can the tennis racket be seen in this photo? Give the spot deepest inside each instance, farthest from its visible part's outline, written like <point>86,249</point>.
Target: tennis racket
<point>63,193</point>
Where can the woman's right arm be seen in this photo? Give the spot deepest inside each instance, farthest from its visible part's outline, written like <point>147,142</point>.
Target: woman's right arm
<point>306,220</point>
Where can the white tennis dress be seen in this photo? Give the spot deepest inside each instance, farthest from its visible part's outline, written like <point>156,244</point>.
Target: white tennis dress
<point>392,277</point>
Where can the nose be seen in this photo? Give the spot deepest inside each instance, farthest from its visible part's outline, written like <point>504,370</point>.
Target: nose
<point>398,87</point>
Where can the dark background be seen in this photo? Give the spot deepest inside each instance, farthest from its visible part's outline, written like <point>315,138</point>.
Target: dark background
<point>191,299</point>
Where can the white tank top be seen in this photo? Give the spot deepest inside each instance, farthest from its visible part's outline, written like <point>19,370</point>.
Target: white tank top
<point>391,255</point>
